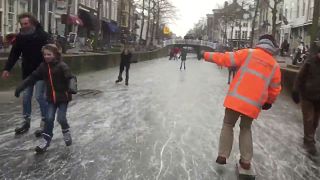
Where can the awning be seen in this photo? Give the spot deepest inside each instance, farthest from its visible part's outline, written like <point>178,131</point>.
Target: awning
<point>89,20</point>
<point>113,27</point>
<point>71,19</point>
<point>75,20</point>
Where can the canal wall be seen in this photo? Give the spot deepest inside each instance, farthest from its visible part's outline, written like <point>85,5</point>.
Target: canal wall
<point>82,63</point>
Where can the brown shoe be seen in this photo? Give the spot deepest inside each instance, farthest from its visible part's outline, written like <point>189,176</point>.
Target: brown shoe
<point>221,160</point>
<point>245,166</point>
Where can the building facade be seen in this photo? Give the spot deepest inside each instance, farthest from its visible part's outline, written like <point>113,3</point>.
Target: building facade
<point>81,16</point>
<point>230,25</point>
<point>298,14</point>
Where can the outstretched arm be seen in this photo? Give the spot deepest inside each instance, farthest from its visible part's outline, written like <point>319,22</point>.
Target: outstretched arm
<point>228,59</point>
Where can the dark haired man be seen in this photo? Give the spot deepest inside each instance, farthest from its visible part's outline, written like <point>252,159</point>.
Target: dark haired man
<point>28,44</point>
<point>306,90</point>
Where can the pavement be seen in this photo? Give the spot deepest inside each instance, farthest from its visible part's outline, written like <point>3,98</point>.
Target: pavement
<point>164,125</point>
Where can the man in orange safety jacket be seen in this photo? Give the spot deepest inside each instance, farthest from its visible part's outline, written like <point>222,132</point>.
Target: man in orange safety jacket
<point>255,86</point>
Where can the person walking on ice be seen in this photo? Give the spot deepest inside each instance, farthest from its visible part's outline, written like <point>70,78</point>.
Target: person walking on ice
<point>56,75</point>
<point>183,58</point>
<point>255,86</point>
<point>307,90</point>
<point>126,56</point>
<point>28,44</point>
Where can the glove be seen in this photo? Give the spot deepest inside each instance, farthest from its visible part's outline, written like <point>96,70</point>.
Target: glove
<point>17,92</point>
<point>202,54</point>
<point>266,106</point>
<point>295,97</point>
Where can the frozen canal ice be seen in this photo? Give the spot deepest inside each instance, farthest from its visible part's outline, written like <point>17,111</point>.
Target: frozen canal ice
<point>164,125</point>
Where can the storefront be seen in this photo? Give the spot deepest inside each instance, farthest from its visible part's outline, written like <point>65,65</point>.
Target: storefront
<point>110,32</point>
<point>89,20</point>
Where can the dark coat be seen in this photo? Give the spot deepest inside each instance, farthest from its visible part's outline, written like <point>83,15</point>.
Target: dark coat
<point>29,46</point>
<point>307,82</point>
<point>58,88</point>
<point>126,59</point>
<point>183,54</point>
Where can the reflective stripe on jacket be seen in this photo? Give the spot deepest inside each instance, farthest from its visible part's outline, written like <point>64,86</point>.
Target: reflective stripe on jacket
<point>257,81</point>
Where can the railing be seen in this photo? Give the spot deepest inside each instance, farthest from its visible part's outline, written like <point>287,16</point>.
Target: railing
<point>190,42</point>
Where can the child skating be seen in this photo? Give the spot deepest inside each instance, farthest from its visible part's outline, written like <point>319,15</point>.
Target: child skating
<point>56,75</point>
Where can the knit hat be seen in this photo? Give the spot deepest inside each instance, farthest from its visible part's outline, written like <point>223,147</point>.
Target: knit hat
<point>269,37</point>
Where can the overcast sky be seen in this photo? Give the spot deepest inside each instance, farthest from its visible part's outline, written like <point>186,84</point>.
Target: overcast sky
<point>190,12</point>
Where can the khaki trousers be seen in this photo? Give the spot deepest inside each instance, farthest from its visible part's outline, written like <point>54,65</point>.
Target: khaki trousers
<point>310,113</point>
<point>245,137</point>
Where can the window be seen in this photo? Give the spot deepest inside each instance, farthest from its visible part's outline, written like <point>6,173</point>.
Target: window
<point>303,7</point>
<point>286,13</point>
<point>244,34</point>
<point>92,4</point>
<point>310,13</point>
<point>23,7</point>
<point>10,16</point>
<point>108,9</point>
<point>87,3</point>
<point>104,9</point>
<point>245,24</point>
<point>298,7</point>
<point>0,4</point>
<point>114,11</point>
<point>237,35</point>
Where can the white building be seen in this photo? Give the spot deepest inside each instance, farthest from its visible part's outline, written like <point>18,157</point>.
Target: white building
<point>144,31</point>
<point>9,9</point>
<point>238,29</point>
<point>298,14</point>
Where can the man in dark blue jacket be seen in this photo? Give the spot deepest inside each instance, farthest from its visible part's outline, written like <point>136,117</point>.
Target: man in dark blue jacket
<point>28,44</point>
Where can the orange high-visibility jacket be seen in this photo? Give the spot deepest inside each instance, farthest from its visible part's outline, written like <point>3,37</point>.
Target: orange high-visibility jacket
<point>257,81</point>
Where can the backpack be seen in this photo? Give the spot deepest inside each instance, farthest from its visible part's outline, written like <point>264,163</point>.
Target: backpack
<point>73,85</point>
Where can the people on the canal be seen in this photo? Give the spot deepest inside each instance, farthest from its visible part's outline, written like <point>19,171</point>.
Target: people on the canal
<point>126,56</point>
<point>56,75</point>
<point>183,58</point>
<point>232,72</point>
<point>176,53</point>
<point>307,86</point>
<point>255,86</point>
<point>171,54</point>
<point>28,44</point>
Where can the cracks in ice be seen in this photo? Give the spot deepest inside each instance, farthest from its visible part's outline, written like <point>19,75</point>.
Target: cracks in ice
<point>161,156</point>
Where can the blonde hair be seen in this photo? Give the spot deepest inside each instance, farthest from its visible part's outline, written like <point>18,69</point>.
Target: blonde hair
<point>54,49</point>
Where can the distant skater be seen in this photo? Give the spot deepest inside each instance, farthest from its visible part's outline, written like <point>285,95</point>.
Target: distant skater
<point>126,56</point>
<point>183,58</point>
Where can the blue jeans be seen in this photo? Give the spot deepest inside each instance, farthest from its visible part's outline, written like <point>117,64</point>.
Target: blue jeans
<point>40,95</point>
<point>61,110</point>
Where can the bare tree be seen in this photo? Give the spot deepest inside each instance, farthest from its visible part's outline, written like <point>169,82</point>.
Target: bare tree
<point>158,12</point>
<point>274,10</point>
<point>67,29</point>
<point>148,21</point>
<point>142,20</point>
<point>253,26</point>
<point>153,11</point>
<point>98,28</point>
